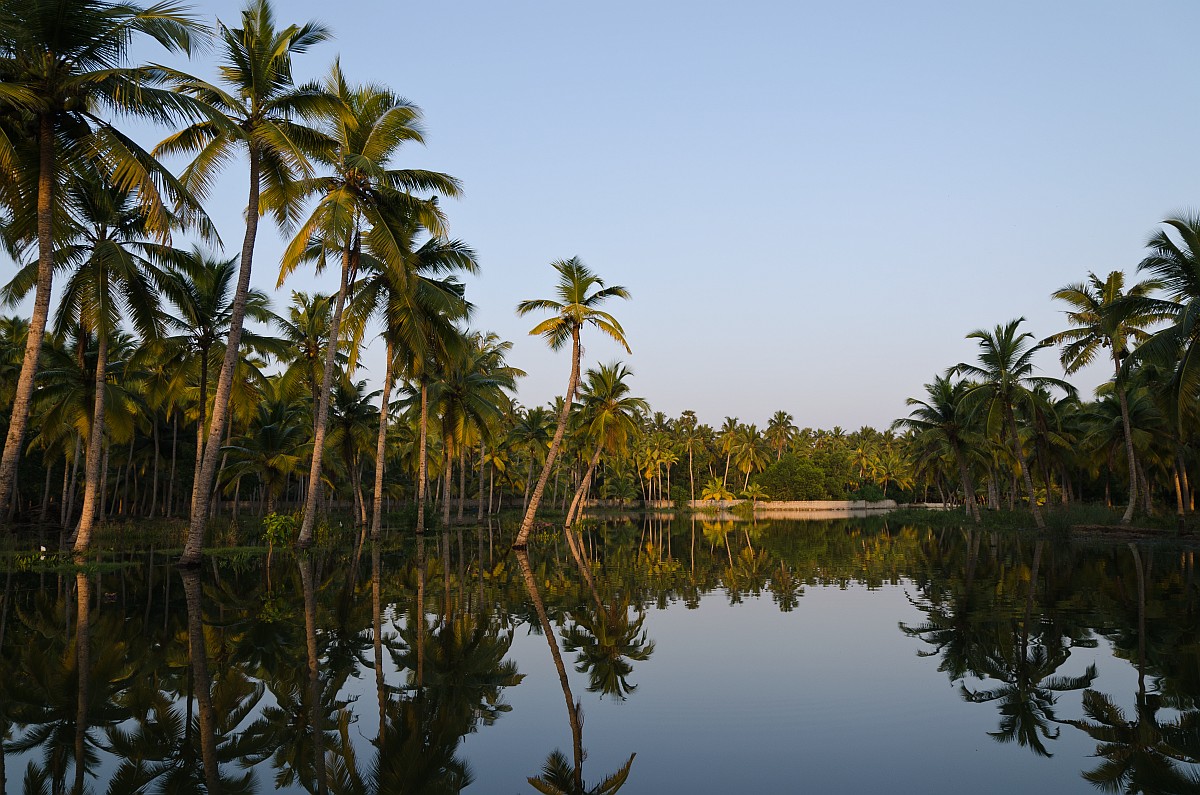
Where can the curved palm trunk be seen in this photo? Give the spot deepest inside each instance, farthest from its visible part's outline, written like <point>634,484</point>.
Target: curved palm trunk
<point>380,449</point>
<point>548,632</point>
<point>37,322</point>
<point>202,487</point>
<point>555,444</point>
<point>200,674</point>
<point>305,539</point>
<point>92,491</point>
<point>584,486</point>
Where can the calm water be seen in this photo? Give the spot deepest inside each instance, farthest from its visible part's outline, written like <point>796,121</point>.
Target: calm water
<point>846,656</point>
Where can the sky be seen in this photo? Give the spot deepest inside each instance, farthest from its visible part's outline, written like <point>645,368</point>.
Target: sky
<point>811,203</point>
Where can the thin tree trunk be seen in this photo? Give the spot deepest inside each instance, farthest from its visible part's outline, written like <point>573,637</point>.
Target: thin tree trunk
<point>200,489</point>
<point>92,489</point>
<point>381,448</point>
<point>462,479</point>
<point>169,505</point>
<point>421,459</point>
<point>479,503</point>
<point>1126,427</point>
<point>584,487</point>
<point>556,442</point>
<point>19,417</point>
<point>964,474</point>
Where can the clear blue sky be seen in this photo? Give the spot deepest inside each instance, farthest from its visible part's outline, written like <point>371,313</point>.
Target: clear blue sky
<point>811,203</point>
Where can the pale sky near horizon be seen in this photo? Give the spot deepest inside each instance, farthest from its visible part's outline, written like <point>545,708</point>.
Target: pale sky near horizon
<point>812,203</point>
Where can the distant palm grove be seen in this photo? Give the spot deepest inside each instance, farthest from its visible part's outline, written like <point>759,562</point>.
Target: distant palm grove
<point>160,385</point>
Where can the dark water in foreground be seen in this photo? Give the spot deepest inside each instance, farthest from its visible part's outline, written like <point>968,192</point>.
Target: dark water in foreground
<point>845,656</point>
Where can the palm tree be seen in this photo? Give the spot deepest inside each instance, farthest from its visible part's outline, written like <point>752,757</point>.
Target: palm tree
<point>116,274</point>
<point>361,197</point>
<point>574,308</point>
<point>258,111</point>
<point>203,313</point>
<point>62,64</point>
<point>690,437</point>
<point>943,418</point>
<point>780,431</point>
<point>1004,379</point>
<point>1101,317</point>
<point>418,310</point>
<point>607,415</point>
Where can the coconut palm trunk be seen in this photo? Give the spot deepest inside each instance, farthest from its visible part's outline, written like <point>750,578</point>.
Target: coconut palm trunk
<point>37,322</point>
<point>584,486</point>
<point>381,448</point>
<point>555,444</point>
<point>92,487</point>
<point>1126,426</point>
<point>202,487</point>
<point>305,539</point>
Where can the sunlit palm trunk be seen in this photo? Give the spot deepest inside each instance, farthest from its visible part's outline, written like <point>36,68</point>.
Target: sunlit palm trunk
<point>555,443</point>
<point>381,448</point>
<point>37,322</point>
<point>92,487</point>
<point>305,538</point>
<point>198,652</point>
<point>548,632</point>
<point>202,487</point>
<point>584,486</point>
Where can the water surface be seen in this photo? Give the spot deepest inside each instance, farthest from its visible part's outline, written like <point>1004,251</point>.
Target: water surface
<point>851,655</point>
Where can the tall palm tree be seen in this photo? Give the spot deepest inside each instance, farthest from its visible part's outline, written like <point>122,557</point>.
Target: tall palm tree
<point>361,197</point>
<point>943,418</point>
<point>1103,316</point>
<point>1004,378</point>
<point>63,63</point>
<point>258,110</point>
<point>781,429</point>
<point>574,307</point>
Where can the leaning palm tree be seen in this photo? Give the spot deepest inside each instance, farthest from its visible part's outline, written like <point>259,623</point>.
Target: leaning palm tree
<point>63,63</point>
<point>362,196</point>
<point>607,415</point>
<point>943,419</point>
<point>1103,316</point>
<point>1003,380</point>
<point>575,307</point>
<point>258,110</point>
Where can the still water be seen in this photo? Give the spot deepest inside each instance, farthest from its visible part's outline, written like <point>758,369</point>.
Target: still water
<point>645,656</point>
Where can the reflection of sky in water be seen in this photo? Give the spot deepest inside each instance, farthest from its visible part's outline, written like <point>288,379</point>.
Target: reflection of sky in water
<point>830,697</point>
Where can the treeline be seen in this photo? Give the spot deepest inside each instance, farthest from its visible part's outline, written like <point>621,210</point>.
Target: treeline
<point>997,432</point>
<point>161,384</point>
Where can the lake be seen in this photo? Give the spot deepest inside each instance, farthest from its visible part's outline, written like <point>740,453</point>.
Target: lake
<point>853,655</point>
